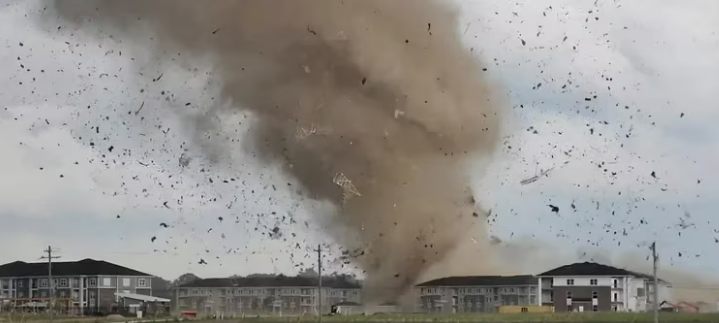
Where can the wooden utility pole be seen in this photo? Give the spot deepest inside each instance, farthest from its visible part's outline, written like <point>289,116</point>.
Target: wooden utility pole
<point>655,296</point>
<point>50,284</point>
<point>319,281</point>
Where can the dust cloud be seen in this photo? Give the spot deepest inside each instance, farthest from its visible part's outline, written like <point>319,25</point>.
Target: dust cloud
<point>685,285</point>
<point>372,105</point>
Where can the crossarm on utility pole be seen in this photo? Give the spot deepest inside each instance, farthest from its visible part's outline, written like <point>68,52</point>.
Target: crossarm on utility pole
<point>50,283</point>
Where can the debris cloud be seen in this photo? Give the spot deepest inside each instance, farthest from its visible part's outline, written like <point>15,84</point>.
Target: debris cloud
<point>375,106</point>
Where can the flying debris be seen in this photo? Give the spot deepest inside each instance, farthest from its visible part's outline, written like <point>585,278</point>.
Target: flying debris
<point>323,111</point>
<point>536,177</point>
<point>349,189</point>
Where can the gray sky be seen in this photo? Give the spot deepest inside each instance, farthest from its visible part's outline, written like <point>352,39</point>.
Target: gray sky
<point>628,93</point>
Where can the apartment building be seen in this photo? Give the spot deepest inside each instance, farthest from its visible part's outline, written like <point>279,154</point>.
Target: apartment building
<point>85,286</point>
<point>589,286</point>
<point>476,293</point>
<point>276,295</point>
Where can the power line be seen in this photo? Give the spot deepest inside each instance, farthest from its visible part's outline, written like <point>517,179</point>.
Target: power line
<point>51,284</point>
<point>695,287</point>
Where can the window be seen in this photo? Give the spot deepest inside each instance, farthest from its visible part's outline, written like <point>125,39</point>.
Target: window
<point>594,295</point>
<point>615,297</point>
<point>43,282</point>
<point>595,308</point>
<point>126,282</point>
<point>43,294</point>
<point>63,282</point>
<point>93,282</point>
<point>92,295</point>
<point>20,295</point>
<point>106,282</point>
<point>615,283</point>
<point>570,282</point>
<point>141,282</point>
<point>19,283</point>
<point>593,282</point>
<point>569,294</point>
<point>641,292</point>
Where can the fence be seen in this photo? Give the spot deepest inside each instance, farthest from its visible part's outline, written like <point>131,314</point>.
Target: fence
<point>148,310</point>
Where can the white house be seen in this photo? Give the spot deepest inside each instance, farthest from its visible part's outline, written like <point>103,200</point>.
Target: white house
<point>591,286</point>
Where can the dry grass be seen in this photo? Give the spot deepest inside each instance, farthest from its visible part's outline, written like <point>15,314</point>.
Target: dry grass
<point>424,318</point>
<point>503,318</point>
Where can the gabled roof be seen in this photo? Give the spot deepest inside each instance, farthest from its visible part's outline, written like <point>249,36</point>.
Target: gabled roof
<point>273,281</point>
<point>144,298</point>
<point>687,304</point>
<point>89,267</point>
<point>592,269</point>
<point>482,281</point>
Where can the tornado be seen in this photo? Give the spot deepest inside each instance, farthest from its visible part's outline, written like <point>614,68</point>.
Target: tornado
<point>374,106</point>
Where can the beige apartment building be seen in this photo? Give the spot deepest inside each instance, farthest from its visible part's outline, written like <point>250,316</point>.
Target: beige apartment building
<point>469,294</point>
<point>277,295</point>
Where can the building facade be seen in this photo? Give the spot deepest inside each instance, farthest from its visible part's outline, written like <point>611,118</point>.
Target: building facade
<point>85,286</point>
<point>276,295</point>
<point>475,293</point>
<point>585,287</point>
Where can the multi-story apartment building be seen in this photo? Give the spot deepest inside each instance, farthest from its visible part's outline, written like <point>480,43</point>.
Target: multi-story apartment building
<point>87,286</point>
<point>264,295</point>
<point>595,287</point>
<point>476,293</point>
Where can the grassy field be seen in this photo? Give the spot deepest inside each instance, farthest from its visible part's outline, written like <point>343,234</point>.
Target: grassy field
<point>502,318</point>
<point>424,318</point>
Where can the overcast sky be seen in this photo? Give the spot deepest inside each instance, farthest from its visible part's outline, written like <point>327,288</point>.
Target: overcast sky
<point>616,97</point>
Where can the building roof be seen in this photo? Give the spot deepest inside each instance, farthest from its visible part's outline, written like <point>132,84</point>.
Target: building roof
<point>482,281</point>
<point>272,281</point>
<point>144,298</point>
<point>592,269</point>
<point>89,267</point>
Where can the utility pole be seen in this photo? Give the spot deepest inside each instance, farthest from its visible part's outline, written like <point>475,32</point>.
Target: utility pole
<point>319,281</point>
<point>50,257</point>
<point>655,295</point>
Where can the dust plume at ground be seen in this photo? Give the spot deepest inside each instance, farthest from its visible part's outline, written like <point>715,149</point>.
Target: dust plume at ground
<point>374,106</point>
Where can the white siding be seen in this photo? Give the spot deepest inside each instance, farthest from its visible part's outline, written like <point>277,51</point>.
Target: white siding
<point>582,281</point>
<point>636,303</point>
